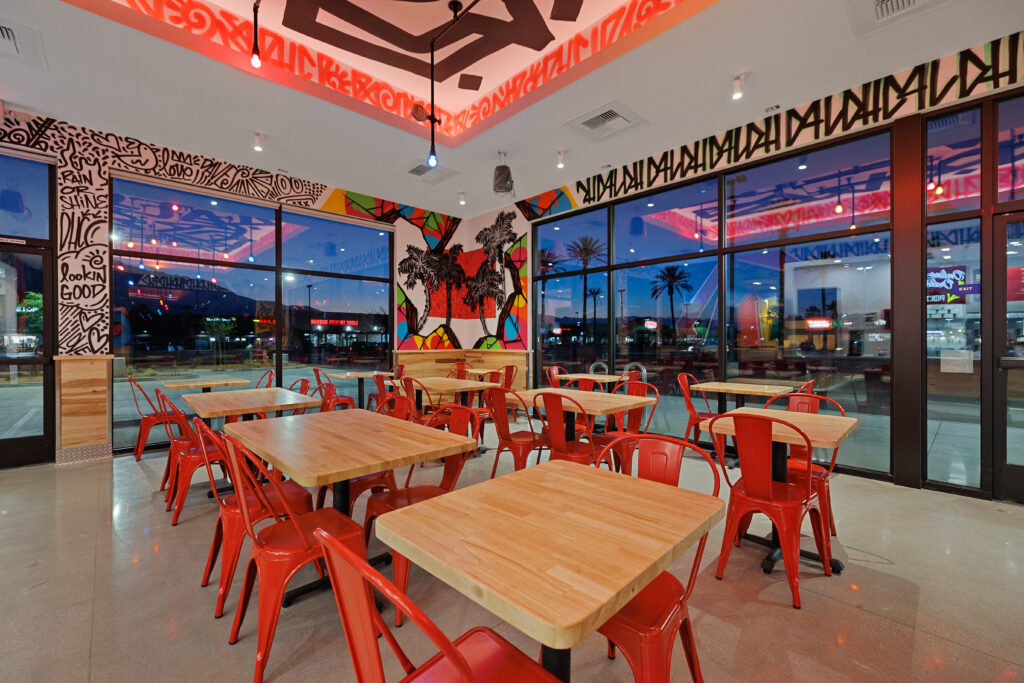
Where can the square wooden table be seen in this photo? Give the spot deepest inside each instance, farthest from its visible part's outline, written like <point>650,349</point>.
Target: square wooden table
<point>247,402</point>
<point>741,390</point>
<point>204,384</point>
<point>447,385</point>
<point>483,371</point>
<point>321,449</point>
<point>361,377</point>
<point>556,549</point>
<point>592,402</point>
<point>822,429</point>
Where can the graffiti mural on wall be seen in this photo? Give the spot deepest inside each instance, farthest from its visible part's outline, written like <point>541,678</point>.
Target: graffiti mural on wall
<point>460,285</point>
<point>996,65</point>
<point>84,161</point>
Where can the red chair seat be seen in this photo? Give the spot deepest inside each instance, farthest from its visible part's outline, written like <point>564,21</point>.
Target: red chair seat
<point>284,539</point>
<point>653,607</point>
<point>798,468</point>
<point>782,493</point>
<point>490,658</point>
<point>528,437</point>
<point>400,498</point>
<point>292,491</point>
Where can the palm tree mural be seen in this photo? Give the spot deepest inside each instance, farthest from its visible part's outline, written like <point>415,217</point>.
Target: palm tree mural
<point>486,284</point>
<point>671,280</point>
<point>451,275</point>
<point>586,250</point>
<point>593,293</point>
<point>549,261</point>
<point>419,267</point>
<point>494,239</point>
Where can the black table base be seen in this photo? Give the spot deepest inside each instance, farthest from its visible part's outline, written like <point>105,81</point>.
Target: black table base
<point>341,502</point>
<point>557,662</point>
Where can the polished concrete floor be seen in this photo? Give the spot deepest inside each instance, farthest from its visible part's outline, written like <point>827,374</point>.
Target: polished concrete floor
<point>96,585</point>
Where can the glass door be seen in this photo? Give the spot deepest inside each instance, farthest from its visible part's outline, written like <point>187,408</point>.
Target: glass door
<point>26,370</point>
<point>1009,383</point>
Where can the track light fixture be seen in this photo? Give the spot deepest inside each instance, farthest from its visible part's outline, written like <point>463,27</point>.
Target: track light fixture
<point>462,199</point>
<point>737,84</point>
<point>561,159</point>
<point>255,60</point>
<point>257,144</point>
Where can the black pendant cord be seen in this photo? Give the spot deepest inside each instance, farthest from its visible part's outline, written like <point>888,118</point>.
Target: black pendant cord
<point>456,7</point>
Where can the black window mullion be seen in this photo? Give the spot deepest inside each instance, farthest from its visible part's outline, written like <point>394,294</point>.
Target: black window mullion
<point>278,299</point>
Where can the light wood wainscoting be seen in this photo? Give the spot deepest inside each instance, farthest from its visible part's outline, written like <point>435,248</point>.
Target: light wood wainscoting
<point>438,363</point>
<point>83,407</point>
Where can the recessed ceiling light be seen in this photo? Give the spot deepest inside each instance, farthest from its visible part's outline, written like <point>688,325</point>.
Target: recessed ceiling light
<point>213,202</point>
<point>462,199</point>
<point>560,163</point>
<point>257,144</point>
<point>737,85</point>
<point>381,234</point>
<point>650,205</point>
<point>557,228</point>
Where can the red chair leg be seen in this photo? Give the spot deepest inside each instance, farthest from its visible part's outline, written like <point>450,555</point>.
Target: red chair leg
<point>497,454</point>
<point>741,531</point>
<point>273,579</point>
<point>211,559</point>
<point>184,481</point>
<point>789,540</point>
<point>821,539</point>
<point>611,649</point>
<point>690,647</point>
<point>400,571</point>
<point>243,600</point>
<point>231,549</point>
<point>732,519</point>
<point>825,496</point>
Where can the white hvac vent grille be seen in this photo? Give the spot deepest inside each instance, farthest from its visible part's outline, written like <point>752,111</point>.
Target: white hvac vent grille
<point>431,176</point>
<point>606,120</point>
<point>868,16</point>
<point>21,43</point>
<point>419,169</point>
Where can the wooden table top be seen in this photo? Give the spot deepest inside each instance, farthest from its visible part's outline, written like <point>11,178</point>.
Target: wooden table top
<point>246,401</point>
<point>174,385</point>
<point>824,430</point>
<point>594,402</point>
<point>357,374</point>
<point>483,371</point>
<point>597,377</point>
<point>771,381</point>
<point>555,549</point>
<point>321,448</point>
<point>742,388</point>
<point>448,385</point>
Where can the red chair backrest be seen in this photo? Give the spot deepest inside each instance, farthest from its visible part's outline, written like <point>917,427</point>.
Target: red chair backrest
<point>382,388</point>
<point>248,473</point>
<point>494,377</point>
<point>660,459</point>
<point>265,380</point>
<point>583,384</point>
<point>806,388</point>
<point>552,371</point>
<point>326,392</point>
<point>497,400</point>
<point>510,375</point>
<point>805,403</point>
<point>630,376</point>
<point>397,406</point>
<point>321,377</point>
<point>461,420</point>
<point>300,385</point>
<point>553,418</point>
<point>135,385</point>
<point>411,385</point>
<point>353,580</point>
<point>210,442</point>
<point>633,420</point>
<point>175,418</point>
<point>399,371</point>
<point>753,440</point>
<point>685,380</point>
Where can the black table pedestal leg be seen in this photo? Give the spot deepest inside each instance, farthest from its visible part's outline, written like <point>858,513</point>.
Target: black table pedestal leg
<point>570,426</point>
<point>360,397</point>
<point>557,662</point>
<point>341,502</point>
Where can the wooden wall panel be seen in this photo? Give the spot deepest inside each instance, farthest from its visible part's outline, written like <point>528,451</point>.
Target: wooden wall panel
<point>83,400</point>
<point>439,363</point>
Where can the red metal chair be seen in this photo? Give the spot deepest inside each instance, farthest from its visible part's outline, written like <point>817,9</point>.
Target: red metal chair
<point>458,370</point>
<point>301,386</point>
<point>184,456</point>
<point>629,376</point>
<point>329,399</point>
<point>553,418</point>
<point>399,371</point>
<point>148,420</point>
<point>519,443</point>
<point>323,380</point>
<point>264,382</point>
<point>479,654</point>
<point>509,373</point>
<point>229,532</point>
<point>552,372</point>
<point>811,403</point>
<point>398,407</point>
<point>410,386</point>
<point>625,423</point>
<point>483,409</point>
<point>784,503</point>
<point>806,388</point>
<point>645,628</point>
<point>382,394</point>
<point>280,549</point>
<point>459,420</point>
<point>694,417</point>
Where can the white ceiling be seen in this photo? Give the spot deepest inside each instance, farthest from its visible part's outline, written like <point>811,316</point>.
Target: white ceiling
<point>106,76</point>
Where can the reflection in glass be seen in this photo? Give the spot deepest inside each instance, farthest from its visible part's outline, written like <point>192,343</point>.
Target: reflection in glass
<point>161,221</point>
<point>566,336</point>
<point>680,221</point>
<point>953,338</point>
<point>310,243</point>
<point>953,170</point>
<point>21,394</point>
<point>186,321</point>
<point>24,198</point>
<point>821,311</point>
<point>1014,346</point>
<point>1011,150</point>
<point>829,189</point>
<point>576,242</point>
<point>21,305</point>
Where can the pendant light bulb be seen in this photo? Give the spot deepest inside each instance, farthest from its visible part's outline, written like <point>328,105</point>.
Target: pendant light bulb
<point>255,60</point>
<point>432,157</point>
<point>939,190</point>
<point>251,259</point>
<point>839,208</point>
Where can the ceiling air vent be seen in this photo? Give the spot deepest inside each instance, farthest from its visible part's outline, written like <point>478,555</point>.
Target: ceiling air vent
<point>431,176</point>
<point>21,43</point>
<point>868,16</point>
<point>606,120</point>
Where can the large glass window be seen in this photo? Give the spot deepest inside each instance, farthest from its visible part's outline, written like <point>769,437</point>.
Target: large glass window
<point>173,223</point>
<point>953,339</point>
<point>574,321</point>
<point>821,311</point>
<point>680,221</point>
<point>953,169</point>
<point>825,190</point>
<point>578,242</point>
<point>1010,176</point>
<point>311,243</point>
<point>24,198</point>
